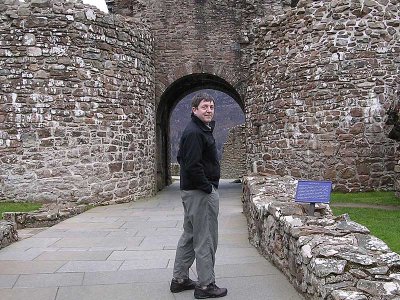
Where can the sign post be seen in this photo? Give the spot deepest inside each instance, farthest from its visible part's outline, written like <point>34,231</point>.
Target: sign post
<point>312,192</point>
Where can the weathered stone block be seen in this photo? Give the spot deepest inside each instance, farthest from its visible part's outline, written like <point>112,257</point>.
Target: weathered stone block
<point>8,233</point>
<point>376,288</point>
<point>344,295</point>
<point>29,39</point>
<point>40,3</point>
<point>34,51</point>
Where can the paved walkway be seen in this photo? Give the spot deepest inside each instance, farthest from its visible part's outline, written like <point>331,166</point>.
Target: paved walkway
<point>127,251</point>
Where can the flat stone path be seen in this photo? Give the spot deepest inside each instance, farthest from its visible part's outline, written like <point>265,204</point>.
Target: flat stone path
<point>127,251</point>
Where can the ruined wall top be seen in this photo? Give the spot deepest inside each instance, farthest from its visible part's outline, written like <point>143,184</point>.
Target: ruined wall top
<point>15,9</point>
<point>254,8</point>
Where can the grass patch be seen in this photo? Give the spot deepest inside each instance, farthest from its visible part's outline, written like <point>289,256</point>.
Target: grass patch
<point>376,198</point>
<point>17,207</point>
<point>383,224</point>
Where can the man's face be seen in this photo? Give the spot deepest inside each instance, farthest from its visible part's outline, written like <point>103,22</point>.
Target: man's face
<point>205,111</point>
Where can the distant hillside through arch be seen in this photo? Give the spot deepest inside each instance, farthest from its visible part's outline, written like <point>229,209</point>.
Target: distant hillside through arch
<point>227,115</point>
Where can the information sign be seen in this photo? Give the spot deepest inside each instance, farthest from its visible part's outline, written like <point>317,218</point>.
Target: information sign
<point>313,191</point>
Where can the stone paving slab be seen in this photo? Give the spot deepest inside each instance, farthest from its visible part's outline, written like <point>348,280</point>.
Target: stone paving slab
<point>155,232</point>
<point>128,276</point>
<point>151,224</point>
<point>158,242</point>
<point>8,281</point>
<point>233,260</point>
<point>74,255</point>
<point>127,251</point>
<point>261,268</point>
<point>137,217</point>
<point>233,239</point>
<point>62,233</point>
<point>20,254</point>
<point>30,267</point>
<point>93,217</point>
<point>81,226</point>
<point>90,266</point>
<point>258,287</point>
<point>225,251</point>
<point>31,294</point>
<point>145,291</point>
<point>32,242</point>
<point>98,241</point>
<point>137,264</point>
<point>129,233</point>
<point>141,254</point>
<point>49,280</point>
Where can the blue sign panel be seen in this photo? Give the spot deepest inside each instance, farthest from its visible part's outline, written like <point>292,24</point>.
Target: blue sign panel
<point>313,191</point>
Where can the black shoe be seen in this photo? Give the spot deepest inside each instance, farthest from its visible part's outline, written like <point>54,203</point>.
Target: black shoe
<point>212,291</point>
<point>177,287</point>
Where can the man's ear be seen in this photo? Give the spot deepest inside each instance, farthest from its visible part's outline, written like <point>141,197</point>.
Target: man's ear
<point>194,109</point>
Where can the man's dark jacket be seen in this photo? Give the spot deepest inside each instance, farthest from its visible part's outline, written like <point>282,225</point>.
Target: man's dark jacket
<point>197,157</point>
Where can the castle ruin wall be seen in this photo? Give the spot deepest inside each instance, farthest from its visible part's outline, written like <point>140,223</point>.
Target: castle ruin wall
<point>76,104</point>
<point>323,256</point>
<point>323,76</point>
<point>198,36</point>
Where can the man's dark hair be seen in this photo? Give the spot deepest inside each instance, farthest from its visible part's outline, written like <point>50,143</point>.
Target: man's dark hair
<point>202,96</point>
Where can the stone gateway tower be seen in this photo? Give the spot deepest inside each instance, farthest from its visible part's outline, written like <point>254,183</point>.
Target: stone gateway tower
<point>197,45</point>
<point>315,79</point>
<point>86,97</point>
<point>76,104</point>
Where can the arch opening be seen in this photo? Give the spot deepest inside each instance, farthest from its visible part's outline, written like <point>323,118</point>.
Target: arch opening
<point>168,101</point>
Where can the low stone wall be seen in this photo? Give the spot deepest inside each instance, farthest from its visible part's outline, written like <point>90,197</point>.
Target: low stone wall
<point>48,215</point>
<point>324,257</point>
<point>8,233</point>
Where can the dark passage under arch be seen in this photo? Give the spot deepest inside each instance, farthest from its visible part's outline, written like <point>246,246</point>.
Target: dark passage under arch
<point>169,99</point>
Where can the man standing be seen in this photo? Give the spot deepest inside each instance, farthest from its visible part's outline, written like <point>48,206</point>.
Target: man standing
<point>199,178</point>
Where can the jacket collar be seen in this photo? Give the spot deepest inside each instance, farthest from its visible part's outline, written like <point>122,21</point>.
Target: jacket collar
<point>201,124</point>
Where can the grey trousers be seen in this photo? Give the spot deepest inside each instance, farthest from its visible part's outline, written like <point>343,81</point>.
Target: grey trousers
<point>200,236</point>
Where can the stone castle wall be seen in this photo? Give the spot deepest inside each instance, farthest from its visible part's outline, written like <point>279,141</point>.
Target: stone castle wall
<point>79,90</point>
<point>197,45</point>
<point>76,104</point>
<point>324,257</point>
<point>233,162</point>
<point>323,76</point>
<point>198,36</point>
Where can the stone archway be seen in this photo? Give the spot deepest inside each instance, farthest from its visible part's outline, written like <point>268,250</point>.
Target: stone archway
<point>169,99</point>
